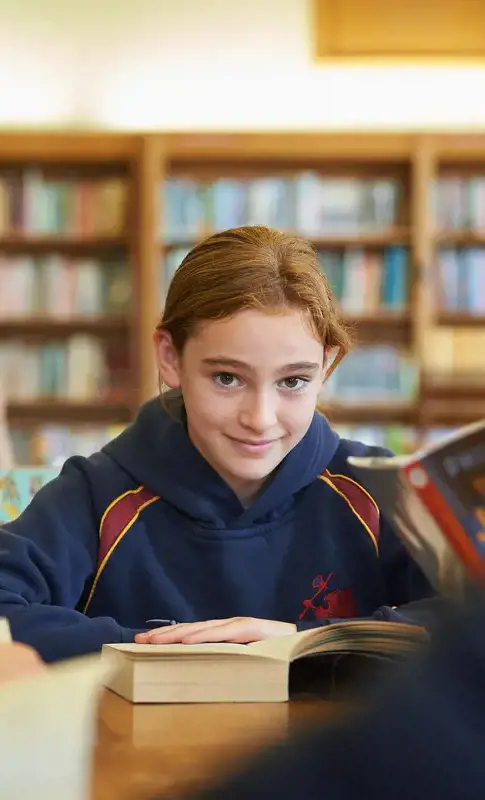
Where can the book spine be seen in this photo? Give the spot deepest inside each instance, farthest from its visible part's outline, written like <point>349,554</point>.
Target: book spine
<point>431,497</point>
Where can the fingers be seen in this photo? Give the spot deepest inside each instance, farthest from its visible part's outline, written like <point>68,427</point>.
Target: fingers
<point>216,630</point>
<point>238,631</point>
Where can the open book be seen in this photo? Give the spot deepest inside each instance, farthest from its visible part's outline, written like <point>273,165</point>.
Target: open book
<point>257,672</point>
<point>47,729</point>
<point>435,500</point>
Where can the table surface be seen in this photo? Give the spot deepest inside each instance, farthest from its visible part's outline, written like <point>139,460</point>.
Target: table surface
<point>165,750</point>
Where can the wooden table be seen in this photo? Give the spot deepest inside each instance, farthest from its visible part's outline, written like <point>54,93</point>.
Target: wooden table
<point>165,750</point>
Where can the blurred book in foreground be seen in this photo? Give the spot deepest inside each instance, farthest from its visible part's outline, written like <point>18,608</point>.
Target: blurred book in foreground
<point>435,499</point>
<point>47,730</point>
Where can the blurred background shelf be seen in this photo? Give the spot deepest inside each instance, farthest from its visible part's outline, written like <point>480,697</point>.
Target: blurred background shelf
<point>370,414</point>
<point>70,245</point>
<point>457,319</point>
<point>48,327</point>
<point>93,227</point>
<point>62,412</point>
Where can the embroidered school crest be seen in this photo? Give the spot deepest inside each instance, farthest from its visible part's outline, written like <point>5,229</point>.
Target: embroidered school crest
<point>328,604</point>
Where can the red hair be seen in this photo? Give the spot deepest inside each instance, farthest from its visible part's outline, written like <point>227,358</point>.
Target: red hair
<point>252,267</point>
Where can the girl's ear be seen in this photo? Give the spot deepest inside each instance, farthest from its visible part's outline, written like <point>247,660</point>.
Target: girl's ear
<point>167,359</point>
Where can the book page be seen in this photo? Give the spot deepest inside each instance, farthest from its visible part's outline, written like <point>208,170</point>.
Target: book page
<point>286,648</point>
<point>352,635</point>
<point>47,731</point>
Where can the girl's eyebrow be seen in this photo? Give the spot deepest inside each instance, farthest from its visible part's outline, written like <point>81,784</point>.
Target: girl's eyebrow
<point>233,363</point>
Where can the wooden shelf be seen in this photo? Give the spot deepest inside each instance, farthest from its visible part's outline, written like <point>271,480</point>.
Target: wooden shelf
<point>449,401</point>
<point>442,414</point>
<point>64,147</point>
<point>460,319</point>
<point>60,243</point>
<point>50,328</point>
<point>394,236</point>
<point>454,387</point>
<point>370,414</point>
<point>395,327</point>
<point>461,238</point>
<point>40,412</point>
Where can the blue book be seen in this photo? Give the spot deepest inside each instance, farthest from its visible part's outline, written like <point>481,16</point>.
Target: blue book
<point>395,277</point>
<point>18,486</point>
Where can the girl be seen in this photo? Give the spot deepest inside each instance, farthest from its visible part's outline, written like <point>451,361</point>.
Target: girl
<point>228,506</point>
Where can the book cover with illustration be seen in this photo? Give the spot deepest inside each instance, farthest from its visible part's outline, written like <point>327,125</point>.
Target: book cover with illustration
<point>435,499</point>
<point>18,486</point>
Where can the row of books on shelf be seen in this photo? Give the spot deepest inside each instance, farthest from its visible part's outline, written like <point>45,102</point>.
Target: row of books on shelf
<point>33,203</point>
<point>58,286</point>
<point>51,445</point>
<point>80,368</point>
<point>461,275</point>
<point>363,281</point>
<point>458,202</point>
<point>373,374</point>
<point>306,202</point>
<point>366,281</point>
<point>312,204</point>
<point>456,351</point>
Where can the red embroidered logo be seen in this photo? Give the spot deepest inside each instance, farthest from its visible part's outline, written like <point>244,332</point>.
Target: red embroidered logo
<point>325,604</point>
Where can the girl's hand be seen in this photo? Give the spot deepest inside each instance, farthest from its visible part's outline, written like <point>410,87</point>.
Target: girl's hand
<point>239,630</point>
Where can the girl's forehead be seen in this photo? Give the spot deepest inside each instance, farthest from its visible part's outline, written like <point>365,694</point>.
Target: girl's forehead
<point>277,324</point>
<point>255,337</point>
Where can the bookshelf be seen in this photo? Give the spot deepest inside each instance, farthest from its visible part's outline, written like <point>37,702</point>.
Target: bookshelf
<point>398,220</point>
<point>69,286</point>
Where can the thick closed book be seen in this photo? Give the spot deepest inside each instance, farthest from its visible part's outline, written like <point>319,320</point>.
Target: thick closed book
<point>253,673</point>
<point>435,500</point>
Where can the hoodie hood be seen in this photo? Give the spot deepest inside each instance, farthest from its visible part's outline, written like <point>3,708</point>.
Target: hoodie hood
<point>156,451</point>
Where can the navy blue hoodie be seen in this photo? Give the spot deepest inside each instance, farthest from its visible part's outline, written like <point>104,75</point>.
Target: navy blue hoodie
<point>147,529</point>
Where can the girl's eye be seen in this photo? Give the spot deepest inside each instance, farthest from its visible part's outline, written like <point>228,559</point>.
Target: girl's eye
<point>293,383</point>
<point>226,380</point>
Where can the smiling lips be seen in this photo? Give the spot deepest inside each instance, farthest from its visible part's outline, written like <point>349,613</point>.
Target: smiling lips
<point>252,446</point>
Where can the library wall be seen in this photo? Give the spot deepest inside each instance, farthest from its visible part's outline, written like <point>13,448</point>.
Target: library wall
<point>398,220</point>
<point>183,64</point>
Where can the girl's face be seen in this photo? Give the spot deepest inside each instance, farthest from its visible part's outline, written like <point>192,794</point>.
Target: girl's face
<point>250,385</point>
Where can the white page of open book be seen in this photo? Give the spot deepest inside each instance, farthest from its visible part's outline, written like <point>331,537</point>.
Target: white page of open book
<point>47,731</point>
<point>280,648</point>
